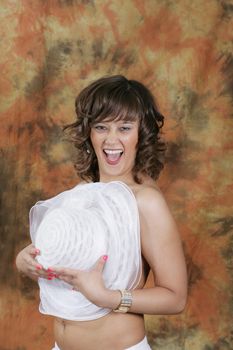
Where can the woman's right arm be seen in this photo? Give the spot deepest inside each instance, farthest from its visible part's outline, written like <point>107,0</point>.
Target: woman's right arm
<point>26,263</point>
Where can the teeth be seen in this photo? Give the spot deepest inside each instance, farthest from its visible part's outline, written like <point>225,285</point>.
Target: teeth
<point>113,151</point>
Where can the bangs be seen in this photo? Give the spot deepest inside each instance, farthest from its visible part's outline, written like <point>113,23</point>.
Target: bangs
<point>117,105</point>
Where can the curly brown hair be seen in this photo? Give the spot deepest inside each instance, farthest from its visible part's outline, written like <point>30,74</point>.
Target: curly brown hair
<point>117,98</point>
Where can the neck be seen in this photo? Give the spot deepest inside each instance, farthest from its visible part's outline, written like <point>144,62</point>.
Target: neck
<point>128,180</point>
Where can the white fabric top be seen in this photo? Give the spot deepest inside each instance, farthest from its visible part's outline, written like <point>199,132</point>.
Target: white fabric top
<point>76,227</point>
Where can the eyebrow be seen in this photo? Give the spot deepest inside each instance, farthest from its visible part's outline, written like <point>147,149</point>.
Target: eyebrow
<point>118,121</point>
<point>127,121</point>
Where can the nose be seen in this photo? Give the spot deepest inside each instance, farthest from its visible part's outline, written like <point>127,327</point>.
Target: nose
<point>111,136</point>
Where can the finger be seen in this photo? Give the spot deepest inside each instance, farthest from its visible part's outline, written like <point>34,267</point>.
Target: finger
<point>99,266</point>
<point>32,269</point>
<point>67,279</point>
<point>45,274</point>
<point>33,264</point>
<point>42,273</point>
<point>39,267</point>
<point>35,252</point>
<point>63,271</point>
<point>62,274</point>
<point>50,278</point>
<point>32,250</point>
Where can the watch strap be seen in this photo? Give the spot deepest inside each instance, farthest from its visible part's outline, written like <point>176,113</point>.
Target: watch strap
<point>126,301</point>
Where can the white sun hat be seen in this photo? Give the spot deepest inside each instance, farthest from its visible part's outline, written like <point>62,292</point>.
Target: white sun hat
<point>76,227</point>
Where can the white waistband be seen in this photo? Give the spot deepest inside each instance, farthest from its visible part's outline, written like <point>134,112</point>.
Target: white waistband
<point>142,345</point>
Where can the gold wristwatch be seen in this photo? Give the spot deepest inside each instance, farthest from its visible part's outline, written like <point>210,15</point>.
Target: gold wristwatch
<point>126,301</point>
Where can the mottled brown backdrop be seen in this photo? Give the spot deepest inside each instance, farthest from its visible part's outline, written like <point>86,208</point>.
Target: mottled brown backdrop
<point>183,51</point>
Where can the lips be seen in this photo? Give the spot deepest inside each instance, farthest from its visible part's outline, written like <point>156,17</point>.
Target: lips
<point>113,156</point>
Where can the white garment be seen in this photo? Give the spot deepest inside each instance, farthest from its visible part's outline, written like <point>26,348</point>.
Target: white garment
<point>142,345</point>
<point>76,227</point>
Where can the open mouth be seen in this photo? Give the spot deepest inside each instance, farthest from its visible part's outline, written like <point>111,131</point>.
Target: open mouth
<point>113,156</point>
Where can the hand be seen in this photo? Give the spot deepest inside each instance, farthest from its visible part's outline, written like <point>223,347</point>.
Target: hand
<point>27,264</point>
<point>90,283</point>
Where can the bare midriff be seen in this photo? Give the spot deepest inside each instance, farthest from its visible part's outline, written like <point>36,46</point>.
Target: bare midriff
<point>115,331</point>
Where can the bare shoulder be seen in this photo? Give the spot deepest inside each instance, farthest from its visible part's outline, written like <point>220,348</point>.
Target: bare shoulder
<point>156,219</point>
<point>149,197</point>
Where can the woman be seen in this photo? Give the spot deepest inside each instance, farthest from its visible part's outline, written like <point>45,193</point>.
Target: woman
<point>117,137</point>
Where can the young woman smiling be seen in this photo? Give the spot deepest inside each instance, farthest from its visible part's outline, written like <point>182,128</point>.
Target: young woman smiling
<point>115,145</point>
<point>117,136</point>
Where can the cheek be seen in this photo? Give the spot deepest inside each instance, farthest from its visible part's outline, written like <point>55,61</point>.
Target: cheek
<point>93,139</point>
<point>96,141</point>
<point>133,141</point>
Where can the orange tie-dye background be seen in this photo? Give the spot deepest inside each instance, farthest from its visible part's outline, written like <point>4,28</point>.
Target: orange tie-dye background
<point>183,51</point>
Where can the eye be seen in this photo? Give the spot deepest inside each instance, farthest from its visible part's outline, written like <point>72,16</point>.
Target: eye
<point>125,128</point>
<point>99,127</point>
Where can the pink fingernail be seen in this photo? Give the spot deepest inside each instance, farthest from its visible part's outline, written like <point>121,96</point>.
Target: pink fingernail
<point>50,278</point>
<point>50,269</point>
<point>51,275</point>
<point>37,251</point>
<point>38,267</point>
<point>105,257</point>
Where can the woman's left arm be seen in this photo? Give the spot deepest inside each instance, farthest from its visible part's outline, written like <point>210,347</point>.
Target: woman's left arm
<point>162,249</point>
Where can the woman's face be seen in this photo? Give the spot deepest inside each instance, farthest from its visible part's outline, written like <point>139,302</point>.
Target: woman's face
<point>115,146</point>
